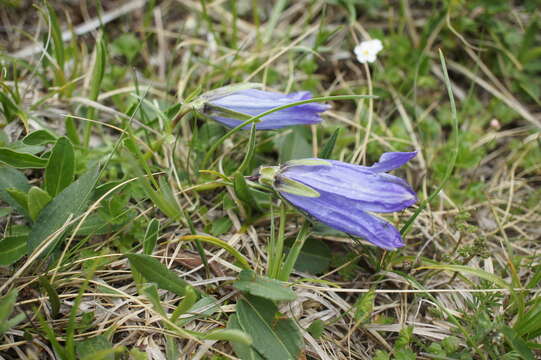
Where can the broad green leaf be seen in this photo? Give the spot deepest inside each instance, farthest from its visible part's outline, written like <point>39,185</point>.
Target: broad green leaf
<point>20,197</point>
<point>12,248</point>
<point>275,339</point>
<point>89,348</point>
<point>21,160</point>
<point>154,271</point>
<point>12,178</point>
<point>242,350</point>
<point>264,287</point>
<point>37,200</point>
<point>151,236</point>
<point>243,192</point>
<point>70,202</point>
<point>39,137</point>
<point>60,167</point>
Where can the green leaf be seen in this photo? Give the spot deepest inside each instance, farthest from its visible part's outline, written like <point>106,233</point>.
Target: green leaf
<point>71,201</point>
<point>294,146</point>
<point>20,197</point>
<point>275,339</point>
<point>473,271</point>
<point>264,287</point>
<point>21,160</point>
<point>154,271</point>
<point>12,248</point>
<point>151,292</point>
<point>518,343</point>
<point>204,307</point>
<point>316,328</point>
<point>7,304</point>
<point>39,137</point>
<point>60,167</point>
<point>186,304</point>
<point>151,236</point>
<point>12,178</point>
<point>326,152</point>
<point>128,45</point>
<point>221,226</point>
<point>37,200</point>
<point>243,192</point>
<point>54,300</point>
<point>89,348</point>
<point>232,335</point>
<point>314,258</point>
<point>242,350</point>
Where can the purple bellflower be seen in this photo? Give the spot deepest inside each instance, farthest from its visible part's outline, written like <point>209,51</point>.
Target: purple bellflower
<point>232,108</point>
<point>343,195</point>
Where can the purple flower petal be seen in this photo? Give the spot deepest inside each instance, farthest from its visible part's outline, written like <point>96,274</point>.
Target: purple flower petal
<point>254,102</point>
<point>372,191</point>
<point>347,193</point>
<point>392,160</point>
<point>346,215</point>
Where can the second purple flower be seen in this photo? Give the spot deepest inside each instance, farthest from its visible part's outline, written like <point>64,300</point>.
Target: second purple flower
<point>234,108</point>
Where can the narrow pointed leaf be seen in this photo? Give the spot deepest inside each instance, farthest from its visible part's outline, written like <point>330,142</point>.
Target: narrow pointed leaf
<point>156,272</point>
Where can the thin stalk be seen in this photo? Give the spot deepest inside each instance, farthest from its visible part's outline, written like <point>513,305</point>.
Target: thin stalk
<point>291,259</point>
<point>278,245</point>
<point>451,166</point>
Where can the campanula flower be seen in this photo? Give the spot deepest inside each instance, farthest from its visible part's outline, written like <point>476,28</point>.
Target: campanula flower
<point>343,196</point>
<point>366,51</point>
<point>233,108</point>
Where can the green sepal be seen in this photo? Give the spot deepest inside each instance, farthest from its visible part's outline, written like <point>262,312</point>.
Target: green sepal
<point>307,162</point>
<point>295,188</point>
<point>267,175</point>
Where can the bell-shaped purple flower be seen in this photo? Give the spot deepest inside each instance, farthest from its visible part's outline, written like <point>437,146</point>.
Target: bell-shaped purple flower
<point>343,195</point>
<point>232,109</point>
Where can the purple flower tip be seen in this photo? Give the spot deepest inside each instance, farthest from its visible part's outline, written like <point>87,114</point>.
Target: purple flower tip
<point>252,102</point>
<point>348,194</point>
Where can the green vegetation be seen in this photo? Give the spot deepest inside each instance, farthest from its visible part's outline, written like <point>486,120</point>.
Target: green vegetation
<point>131,226</point>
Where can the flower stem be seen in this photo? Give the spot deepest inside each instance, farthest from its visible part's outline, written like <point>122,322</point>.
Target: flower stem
<point>291,259</point>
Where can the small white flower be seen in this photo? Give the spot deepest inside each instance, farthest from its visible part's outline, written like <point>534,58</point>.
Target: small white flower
<point>366,51</point>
